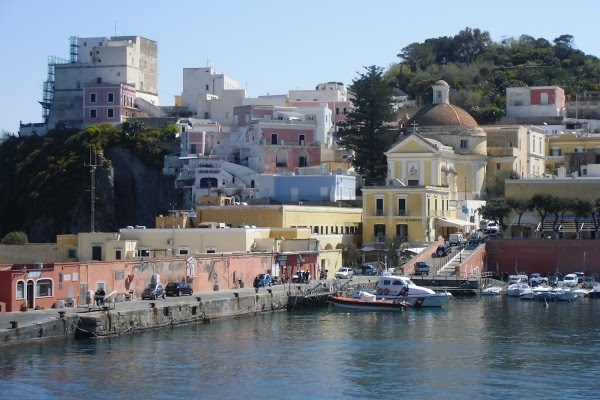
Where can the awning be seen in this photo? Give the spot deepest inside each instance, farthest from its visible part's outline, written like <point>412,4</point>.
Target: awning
<point>453,222</point>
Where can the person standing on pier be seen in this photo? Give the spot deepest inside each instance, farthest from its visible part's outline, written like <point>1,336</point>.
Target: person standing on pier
<point>256,284</point>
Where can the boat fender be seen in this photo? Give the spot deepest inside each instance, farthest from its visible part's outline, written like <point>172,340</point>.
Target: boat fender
<point>380,291</point>
<point>386,291</point>
<point>419,302</point>
<point>331,289</point>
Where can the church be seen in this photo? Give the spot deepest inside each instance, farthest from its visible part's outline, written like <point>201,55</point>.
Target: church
<point>434,170</point>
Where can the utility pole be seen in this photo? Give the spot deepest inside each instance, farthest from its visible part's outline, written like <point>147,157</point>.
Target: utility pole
<point>92,164</point>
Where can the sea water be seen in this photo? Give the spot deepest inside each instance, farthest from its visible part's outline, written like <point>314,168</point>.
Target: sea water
<point>473,348</point>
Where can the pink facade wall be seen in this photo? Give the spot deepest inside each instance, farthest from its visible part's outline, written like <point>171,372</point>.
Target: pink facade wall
<point>313,154</point>
<point>538,255</point>
<point>289,136</point>
<point>123,104</point>
<point>211,273</point>
<point>536,96</point>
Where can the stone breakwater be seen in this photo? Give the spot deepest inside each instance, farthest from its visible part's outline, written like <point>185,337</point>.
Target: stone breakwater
<point>156,315</point>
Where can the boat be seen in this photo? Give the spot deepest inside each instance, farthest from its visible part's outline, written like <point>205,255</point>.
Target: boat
<point>544,293</point>
<point>595,292</point>
<point>517,289</point>
<point>394,286</point>
<point>367,302</point>
<point>565,294</point>
<point>528,294</point>
<point>491,291</point>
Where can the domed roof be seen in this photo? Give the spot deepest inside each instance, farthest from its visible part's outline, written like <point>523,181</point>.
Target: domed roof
<point>442,115</point>
<point>441,82</point>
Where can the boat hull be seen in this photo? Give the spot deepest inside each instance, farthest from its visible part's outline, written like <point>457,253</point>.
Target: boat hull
<point>422,300</point>
<point>358,304</point>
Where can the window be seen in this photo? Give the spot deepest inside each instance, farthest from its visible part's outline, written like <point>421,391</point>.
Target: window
<point>93,113</point>
<point>464,143</point>
<point>184,251</point>
<point>379,231</point>
<point>302,161</point>
<point>209,183</point>
<point>144,253</point>
<point>402,231</point>
<point>110,113</point>
<point>193,149</point>
<point>301,140</point>
<point>78,84</point>
<point>98,80</point>
<point>72,253</point>
<point>401,206</point>
<point>273,138</point>
<point>44,288</point>
<point>97,253</point>
<point>498,166</point>
<point>281,159</point>
<point>211,250</point>
<point>544,99</point>
<point>207,87</point>
<point>117,254</point>
<point>92,97</point>
<point>20,290</point>
<point>379,207</point>
<point>111,97</point>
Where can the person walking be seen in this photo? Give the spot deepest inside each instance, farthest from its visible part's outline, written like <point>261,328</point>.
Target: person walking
<point>256,284</point>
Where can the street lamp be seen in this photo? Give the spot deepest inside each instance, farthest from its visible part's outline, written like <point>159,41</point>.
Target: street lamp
<point>465,188</point>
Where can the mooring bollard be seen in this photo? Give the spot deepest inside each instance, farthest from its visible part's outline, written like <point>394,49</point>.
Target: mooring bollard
<point>236,294</point>
<point>152,305</point>
<point>198,298</point>
<point>14,324</point>
<point>270,291</point>
<point>61,314</point>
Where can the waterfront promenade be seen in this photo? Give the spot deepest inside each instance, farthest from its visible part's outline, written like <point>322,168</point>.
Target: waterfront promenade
<point>19,326</point>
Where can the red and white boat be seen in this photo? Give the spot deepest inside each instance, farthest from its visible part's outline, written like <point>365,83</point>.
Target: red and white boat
<point>368,302</point>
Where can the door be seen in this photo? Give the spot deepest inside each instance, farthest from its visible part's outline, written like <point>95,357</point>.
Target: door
<point>30,294</point>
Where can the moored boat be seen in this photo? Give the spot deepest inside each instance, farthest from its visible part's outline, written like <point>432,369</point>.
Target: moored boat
<point>393,286</point>
<point>517,289</point>
<point>367,302</point>
<point>491,291</point>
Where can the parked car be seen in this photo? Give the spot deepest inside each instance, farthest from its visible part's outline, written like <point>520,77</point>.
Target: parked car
<point>344,273</point>
<point>475,240</point>
<point>570,280</point>
<point>537,279</point>
<point>589,282</point>
<point>153,291</point>
<point>178,289</point>
<point>368,269</point>
<point>492,227</point>
<point>264,280</point>
<point>421,268</point>
<point>442,250</point>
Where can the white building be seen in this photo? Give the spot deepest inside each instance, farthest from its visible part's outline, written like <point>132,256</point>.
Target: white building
<point>130,60</point>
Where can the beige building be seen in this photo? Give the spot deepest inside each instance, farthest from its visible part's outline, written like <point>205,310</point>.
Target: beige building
<point>572,152</point>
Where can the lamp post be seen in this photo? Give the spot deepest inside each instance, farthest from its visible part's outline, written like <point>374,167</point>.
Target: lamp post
<point>465,188</point>
<point>584,262</point>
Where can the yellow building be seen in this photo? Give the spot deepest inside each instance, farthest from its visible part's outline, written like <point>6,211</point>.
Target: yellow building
<point>571,151</point>
<point>436,168</point>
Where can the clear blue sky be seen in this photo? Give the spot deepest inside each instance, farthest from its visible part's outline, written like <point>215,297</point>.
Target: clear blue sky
<point>268,46</point>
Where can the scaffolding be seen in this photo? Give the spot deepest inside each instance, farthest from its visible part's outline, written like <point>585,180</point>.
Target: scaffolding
<point>48,85</point>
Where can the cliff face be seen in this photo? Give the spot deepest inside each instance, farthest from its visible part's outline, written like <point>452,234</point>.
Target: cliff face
<point>127,192</point>
<point>139,193</point>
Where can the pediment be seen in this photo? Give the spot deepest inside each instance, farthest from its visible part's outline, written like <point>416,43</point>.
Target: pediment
<point>412,144</point>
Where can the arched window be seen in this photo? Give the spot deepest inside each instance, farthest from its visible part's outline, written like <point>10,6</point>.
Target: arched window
<point>20,290</point>
<point>303,159</point>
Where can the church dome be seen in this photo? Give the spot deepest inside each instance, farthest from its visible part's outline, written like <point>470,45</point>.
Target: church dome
<point>442,115</point>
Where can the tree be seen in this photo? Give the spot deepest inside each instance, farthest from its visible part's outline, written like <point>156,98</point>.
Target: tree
<point>351,257</point>
<point>520,206</point>
<point>496,210</point>
<point>15,237</point>
<point>366,133</point>
<point>393,246</point>
<point>581,208</point>
<point>542,203</point>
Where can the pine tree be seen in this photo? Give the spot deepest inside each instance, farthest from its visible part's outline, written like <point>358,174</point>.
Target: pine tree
<point>365,132</point>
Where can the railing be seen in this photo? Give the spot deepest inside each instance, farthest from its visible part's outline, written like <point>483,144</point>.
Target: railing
<point>379,213</point>
<point>555,158</point>
<point>402,212</point>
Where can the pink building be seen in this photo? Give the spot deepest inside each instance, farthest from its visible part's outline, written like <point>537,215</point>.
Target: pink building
<point>537,101</point>
<point>108,103</point>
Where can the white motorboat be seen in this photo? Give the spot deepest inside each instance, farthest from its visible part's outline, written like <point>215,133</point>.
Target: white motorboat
<point>528,294</point>
<point>491,291</point>
<point>517,289</point>
<point>565,294</point>
<point>393,286</point>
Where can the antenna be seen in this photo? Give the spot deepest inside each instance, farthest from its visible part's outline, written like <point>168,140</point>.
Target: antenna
<point>92,164</point>
<point>115,27</point>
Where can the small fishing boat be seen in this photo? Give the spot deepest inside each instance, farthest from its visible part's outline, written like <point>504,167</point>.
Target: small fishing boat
<point>367,302</point>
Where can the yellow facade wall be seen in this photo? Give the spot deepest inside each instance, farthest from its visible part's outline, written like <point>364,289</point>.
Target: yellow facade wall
<point>584,188</point>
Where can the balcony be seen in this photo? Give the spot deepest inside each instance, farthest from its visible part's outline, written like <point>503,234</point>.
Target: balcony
<point>555,158</point>
<point>380,213</point>
<point>502,152</point>
<point>402,213</point>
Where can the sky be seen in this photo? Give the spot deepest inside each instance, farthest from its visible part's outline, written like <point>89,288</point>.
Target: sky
<point>269,47</point>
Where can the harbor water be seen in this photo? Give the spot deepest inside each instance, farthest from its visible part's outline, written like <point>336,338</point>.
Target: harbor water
<point>473,348</point>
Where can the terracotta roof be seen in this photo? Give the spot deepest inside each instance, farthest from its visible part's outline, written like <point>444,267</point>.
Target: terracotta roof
<point>442,115</point>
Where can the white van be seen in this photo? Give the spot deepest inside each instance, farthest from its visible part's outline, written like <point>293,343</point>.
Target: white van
<point>457,238</point>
